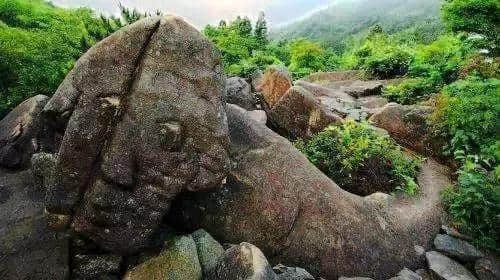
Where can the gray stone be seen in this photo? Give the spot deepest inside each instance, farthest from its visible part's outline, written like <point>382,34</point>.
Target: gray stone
<point>363,88</point>
<point>147,121</point>
<point>292,273</point>
<point>239,92</point>
<point>487,269</point>
<point>20,131</point>
<point>210,252</point>
<point>259,116</point>
<point>96,266</point>
<point>456,248</point>
<point>425,274</point>
<point>42,166</point>
<point>28,248</point>
<point>407,274</point>
<point>243,262</point>
<point>372,102</point>
<point>446,268</point>
<point>177,261</point>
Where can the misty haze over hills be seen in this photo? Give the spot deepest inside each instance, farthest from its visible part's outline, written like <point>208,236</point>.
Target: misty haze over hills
<point>350,17</point>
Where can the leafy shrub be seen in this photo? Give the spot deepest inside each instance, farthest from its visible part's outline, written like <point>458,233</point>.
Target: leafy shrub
<point>360,160</point>
<point>440,61</point>
<point>476,16</point>
<point>467,113</point>
<point>380,56</point>
<point>410,91</point>
<point>478,66</point>
<point>474,204</point>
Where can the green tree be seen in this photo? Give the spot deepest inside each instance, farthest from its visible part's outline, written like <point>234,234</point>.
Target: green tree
<point>242,25</point>
<point>261,29</point>
<point>477,16</point>
<point>39,44</point>
<point>306,57</point>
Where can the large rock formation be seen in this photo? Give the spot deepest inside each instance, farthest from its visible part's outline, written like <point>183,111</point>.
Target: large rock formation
<point>297,114</point>
<point>408,125</point>
<point>145,121</point>
<point>276,199</point>
<point>20,133</point>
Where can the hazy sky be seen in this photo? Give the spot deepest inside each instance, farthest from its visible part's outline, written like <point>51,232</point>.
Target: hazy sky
<point>201,12</point>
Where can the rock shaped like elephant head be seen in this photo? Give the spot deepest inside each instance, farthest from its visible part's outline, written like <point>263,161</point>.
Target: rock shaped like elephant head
<point>143,120</point>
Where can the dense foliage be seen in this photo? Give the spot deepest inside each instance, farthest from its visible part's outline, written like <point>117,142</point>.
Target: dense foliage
<point>360,160</point>
<point>39,43</point>
<point>246,48</point>
<point>474,204</point>
<point>477,16</point>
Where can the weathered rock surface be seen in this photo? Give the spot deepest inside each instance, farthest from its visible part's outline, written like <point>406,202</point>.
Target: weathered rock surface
<point>292,273</point>
<point>20,133</point>
<point>407,124</point>
<point>456,248</point>
<point>299,115</point>
<point>87,267</point>
<point>372,102</point>
<point>363,88</point>
<point>239,92</point>
<point>274,198</point>
<point>243,262</point>
<point>177,261</point>
<point>259,116</point>
<point>487,269</point>
<point>446,268</point>
<point>407,274</point>
<point>146,122</point>
<point>274,84</point>
<point>210,252</point>
<point>28,248</point>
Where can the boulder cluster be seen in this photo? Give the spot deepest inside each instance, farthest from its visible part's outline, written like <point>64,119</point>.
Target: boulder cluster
<point>147,163</point>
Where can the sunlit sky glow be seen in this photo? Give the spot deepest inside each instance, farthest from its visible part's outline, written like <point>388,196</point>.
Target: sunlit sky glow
<point>202,12</point>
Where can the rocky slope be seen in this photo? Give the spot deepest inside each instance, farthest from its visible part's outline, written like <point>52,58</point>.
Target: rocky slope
<point>138,151</point>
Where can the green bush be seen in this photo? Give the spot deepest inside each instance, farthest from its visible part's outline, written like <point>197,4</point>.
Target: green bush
<point>410,91</point>
<point>477,16</point>
<point>432,67</point>
<point>380,56</point>
<point>474,204</point>
<point>467,113</point>
<point>440,61</point>
<point>360,160</point>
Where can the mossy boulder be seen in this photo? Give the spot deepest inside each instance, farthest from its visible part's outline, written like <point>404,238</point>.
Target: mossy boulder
<point>178,261</point>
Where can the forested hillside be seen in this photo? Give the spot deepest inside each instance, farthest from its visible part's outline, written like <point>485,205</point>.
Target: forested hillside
<point>346,18</point>
<point>40,42</point>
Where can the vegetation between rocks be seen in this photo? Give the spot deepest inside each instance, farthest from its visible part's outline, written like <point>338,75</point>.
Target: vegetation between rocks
<point>361,160</point>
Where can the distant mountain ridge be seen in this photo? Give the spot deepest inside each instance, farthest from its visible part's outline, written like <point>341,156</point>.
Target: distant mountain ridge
<point>351,17</point>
